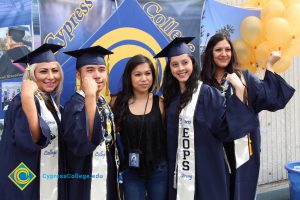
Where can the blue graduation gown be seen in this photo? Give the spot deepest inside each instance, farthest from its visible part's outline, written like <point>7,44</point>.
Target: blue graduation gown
<point>17,146</point>
<point>212,122</point>
<point>80,150</point>
<point>271,94</point>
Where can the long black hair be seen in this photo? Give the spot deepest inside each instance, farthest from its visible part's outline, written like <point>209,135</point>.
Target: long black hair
<point>171,86</point>
<point>209,66</point>
<point>126,93</point>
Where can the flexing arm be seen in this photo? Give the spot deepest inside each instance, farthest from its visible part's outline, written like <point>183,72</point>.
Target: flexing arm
<point>237,85</point>
<point>28,105</point>
<point>273,58</point>
<point>89,87</point>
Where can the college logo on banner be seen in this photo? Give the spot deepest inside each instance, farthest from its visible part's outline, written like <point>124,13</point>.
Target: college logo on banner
<point>128,32</point>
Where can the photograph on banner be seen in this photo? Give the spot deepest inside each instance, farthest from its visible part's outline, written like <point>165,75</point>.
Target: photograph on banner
<point>9,91</point>
<point>15,42</point>
<point>15,12</point>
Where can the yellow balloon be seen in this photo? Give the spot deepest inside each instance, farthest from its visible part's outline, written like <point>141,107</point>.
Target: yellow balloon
<point>292,15</point>
<point>251,30</point>
<point>251,67</point>
<point>250,4</point>
<point>262,53</point>
<point>288,3</point>
<point>294,48</point>
<point>243,52</point>
<point>272,9</point>
<point>282,64</point>
<point>277,33</point>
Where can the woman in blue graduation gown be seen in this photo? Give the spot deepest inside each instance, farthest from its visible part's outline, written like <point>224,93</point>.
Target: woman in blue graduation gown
<point>272,93</point>
<point>197,126</point>
<point>89,131</point>
<point>31,149</point>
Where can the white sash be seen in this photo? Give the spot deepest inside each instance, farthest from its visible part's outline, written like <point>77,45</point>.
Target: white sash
<point>99,169</point>
<point>98,186</point>
<point>49,155</point>
<point>241,150</point>
<point>185,161</point>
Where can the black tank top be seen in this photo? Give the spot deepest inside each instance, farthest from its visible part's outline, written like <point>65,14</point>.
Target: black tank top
<point>153,139</point>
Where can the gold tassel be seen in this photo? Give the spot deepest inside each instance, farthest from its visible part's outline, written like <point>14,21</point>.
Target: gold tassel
<point>250,145</point>
<point>156,84</point>
<point>77,84</point>
<point>107,79</point>
<point>28,68</point>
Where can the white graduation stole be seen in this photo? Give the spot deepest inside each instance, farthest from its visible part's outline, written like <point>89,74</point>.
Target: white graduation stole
<point>242,151</point>
<point>49,155</point>
<point>99,169</point>
<point>242,146</point>
<point>185,161</point>
<point>98,186</point>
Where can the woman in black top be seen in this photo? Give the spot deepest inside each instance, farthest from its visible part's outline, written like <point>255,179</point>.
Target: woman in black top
<point>139,120</point>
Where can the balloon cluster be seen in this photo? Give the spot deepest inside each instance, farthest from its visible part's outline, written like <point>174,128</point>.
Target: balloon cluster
<point>277,29</point>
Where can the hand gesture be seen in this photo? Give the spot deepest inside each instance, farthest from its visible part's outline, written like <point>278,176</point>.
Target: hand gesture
<point>28,88</point>
<point>89,86</point>
<point>234,80</point>
<point>237,84</point>
<point>273,58</point>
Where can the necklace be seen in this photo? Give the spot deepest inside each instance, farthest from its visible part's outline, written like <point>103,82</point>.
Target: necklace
<point>107,122</point>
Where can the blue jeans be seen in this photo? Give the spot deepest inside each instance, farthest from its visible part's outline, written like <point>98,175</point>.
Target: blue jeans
<point>155,186</point>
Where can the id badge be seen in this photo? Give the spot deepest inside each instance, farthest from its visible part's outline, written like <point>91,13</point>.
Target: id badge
<point>134,159</point>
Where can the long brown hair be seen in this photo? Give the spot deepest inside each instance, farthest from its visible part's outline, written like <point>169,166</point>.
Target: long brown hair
<point>209,66</point>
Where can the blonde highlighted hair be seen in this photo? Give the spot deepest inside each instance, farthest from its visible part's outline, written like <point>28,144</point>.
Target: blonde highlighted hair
<point>30,75</point>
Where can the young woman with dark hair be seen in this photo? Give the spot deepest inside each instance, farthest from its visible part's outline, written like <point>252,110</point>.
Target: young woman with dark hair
<point>139,120</point>
<point>272,93</point>
<point>197,124</point>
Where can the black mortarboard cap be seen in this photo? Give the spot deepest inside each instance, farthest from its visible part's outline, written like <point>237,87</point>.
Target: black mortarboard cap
<point>175,48</point>
<point>89,56</point>
<point>45,53</point>
<point>17,32</point>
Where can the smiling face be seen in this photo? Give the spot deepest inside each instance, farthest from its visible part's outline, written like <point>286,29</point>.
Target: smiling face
<point>48,76</point>
<point>222,54</point>
<point>141,78</point>
<point>181,68</point>
<point>97,72</point>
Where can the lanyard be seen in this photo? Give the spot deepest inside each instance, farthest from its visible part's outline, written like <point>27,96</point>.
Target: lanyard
<point>142,126</point>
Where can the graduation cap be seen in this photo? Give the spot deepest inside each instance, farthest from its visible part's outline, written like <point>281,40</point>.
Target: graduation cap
<point>89,56</point>
<point>175,48</point>
<point>45,53</point>
<point>17,32</point>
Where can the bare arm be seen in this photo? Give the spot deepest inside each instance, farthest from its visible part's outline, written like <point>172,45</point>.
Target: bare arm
<point>112,101</point>
<point>27,99</point>
<point>89,87</point>
<point>273,58</point>
<point>162,107</point>
<point>237,84</point>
